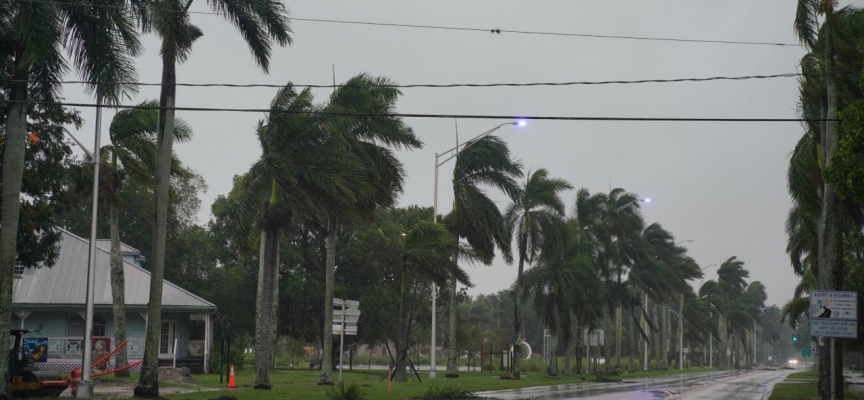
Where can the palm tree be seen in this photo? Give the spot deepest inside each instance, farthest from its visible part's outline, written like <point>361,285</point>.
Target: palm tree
<point>131,152</point>
<point>615,223</point>
<point>297,173</point>
<point>260,23</point>
<point>536,218</point>
<point>370,139</point>
<point>427,248</point>
<point>564,287</point>
<point>729,285</point>
<point>475,217</point>
<point>101,40</point>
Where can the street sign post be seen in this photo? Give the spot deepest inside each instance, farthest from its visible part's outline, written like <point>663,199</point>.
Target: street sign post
<point>347,314</point>
<point>833,314</point>
<point>805,353</point>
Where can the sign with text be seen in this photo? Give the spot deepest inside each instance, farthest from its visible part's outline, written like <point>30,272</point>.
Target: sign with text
<point>805,353</point>
<point>827,304</point>
<point>835,328</point>
<point>597,338</point>
<point>35,349</point>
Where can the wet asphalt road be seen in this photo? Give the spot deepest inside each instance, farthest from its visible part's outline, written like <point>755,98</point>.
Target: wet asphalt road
<point>724,385</point>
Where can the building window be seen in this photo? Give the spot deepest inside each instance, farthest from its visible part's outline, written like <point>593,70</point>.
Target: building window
<point>75,327</point>
<point>19,269</point>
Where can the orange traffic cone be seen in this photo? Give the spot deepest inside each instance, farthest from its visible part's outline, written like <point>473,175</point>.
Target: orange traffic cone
<point>232,384</point>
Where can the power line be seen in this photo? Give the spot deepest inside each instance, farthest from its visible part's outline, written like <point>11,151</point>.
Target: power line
<point>458,85</point>
<point>496,31</point>
<point>447,116</point>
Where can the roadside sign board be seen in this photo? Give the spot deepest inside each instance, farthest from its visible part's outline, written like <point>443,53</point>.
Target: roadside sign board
<point>834,328</point>
<point>805,352</point>
<point>597,337</point>
<point>826,304</point>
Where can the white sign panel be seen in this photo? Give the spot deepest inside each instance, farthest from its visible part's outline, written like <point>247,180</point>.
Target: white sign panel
<point>349,329</point>
<point>597,338</point>
<point>826,304</point>
<point>834,328</point>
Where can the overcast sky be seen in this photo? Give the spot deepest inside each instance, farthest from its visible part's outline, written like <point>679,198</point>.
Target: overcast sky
<point>721,185</point>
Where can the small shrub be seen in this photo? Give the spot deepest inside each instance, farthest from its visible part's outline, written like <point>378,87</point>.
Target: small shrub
<point>446,392</point>
<point>238,358</point>
<point>342,391</point>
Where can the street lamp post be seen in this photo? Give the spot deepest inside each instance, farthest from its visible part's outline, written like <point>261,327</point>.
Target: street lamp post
<point>433,369</point>
<point>85,389</point>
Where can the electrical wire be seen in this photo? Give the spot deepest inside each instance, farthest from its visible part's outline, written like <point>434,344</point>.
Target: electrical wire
<point>446,116</point>
<point>497,31</point>
<point>458,85</point>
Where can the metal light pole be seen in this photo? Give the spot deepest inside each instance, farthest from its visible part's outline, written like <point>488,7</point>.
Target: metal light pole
<point>85,389</point>
<point>433,369</point>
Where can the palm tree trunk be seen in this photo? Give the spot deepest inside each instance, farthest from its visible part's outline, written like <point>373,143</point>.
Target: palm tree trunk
<point>326,377</point>
<point>631,367</point>
<point>13,173</point>
<point>658,359</point>
<point>452,349</point>
<point>619,337</point>
<point>579,344</point>
<point>118,285</point>
<point>265,321</point>
<point>553,361</point>
<point>568,355</point>
<point>662,356</point>
<point>402,340</point>
<point>148,383</point>
<point>517,311</point>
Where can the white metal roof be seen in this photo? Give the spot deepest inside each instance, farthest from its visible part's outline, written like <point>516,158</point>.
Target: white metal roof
<point>105,244</point>
<point>66,282</point>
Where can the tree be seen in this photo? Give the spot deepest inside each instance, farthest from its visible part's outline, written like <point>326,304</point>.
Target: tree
<point>132,133</point>
<point>101,39</point>
<point>615,224</point>
<point>536,219</point>
<point>369,139</point>
<point>731,283</point>
<point>298,171</point>
<point>427,246</point>
<point>564,287</point>
<point>475,217</point>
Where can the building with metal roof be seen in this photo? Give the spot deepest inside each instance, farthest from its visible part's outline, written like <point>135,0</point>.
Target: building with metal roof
<point>52,300</point>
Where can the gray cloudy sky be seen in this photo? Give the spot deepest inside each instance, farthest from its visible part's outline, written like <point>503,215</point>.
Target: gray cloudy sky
<point>719,184</point>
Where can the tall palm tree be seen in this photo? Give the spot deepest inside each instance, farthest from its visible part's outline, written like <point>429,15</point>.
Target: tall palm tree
<point>427,248</point>
<point>260,23</point>
<point>101,40</point>
<point>615,223</point>
<point>564,286</point>
<point>536,217</point>
<point>731,283</point>
<point>298,171</point>
<point>371,140</point>
<point>131,151</point>
<point>475,217</point>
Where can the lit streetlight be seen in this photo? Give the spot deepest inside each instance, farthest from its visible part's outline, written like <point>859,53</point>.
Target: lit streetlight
<point>433,370</point>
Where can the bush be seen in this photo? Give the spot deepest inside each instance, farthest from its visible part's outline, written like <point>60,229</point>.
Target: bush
<point>439,392</point>
<point>238,357</point>
<point>345,392</point>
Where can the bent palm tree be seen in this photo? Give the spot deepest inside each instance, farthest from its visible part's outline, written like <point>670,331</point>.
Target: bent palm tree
<point>131,152</point>
<point>298,171</point>
<point>370,139</point>
<point>536,219</point>
<point>475,217</point>
<point>427,248</point>
<point>101,40</point>
<point>260,23</point>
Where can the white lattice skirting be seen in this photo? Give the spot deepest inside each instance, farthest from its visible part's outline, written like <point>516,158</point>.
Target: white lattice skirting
<point>66,367</point>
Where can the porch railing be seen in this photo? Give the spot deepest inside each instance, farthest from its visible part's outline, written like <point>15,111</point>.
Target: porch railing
<point>73,347</point>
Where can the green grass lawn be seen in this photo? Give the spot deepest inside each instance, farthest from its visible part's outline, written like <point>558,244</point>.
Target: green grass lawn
<point>802,390</point>
<point>302,384</point>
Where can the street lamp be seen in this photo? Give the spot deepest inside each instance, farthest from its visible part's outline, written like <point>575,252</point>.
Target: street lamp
<point>433,369</point>
<point>85,389</point>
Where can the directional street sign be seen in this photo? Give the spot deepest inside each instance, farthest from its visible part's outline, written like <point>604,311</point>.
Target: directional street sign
<point>805,352</point>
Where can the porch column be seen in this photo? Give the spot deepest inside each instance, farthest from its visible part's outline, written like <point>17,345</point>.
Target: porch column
<point>208,340</point>
<point>22,315</point>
